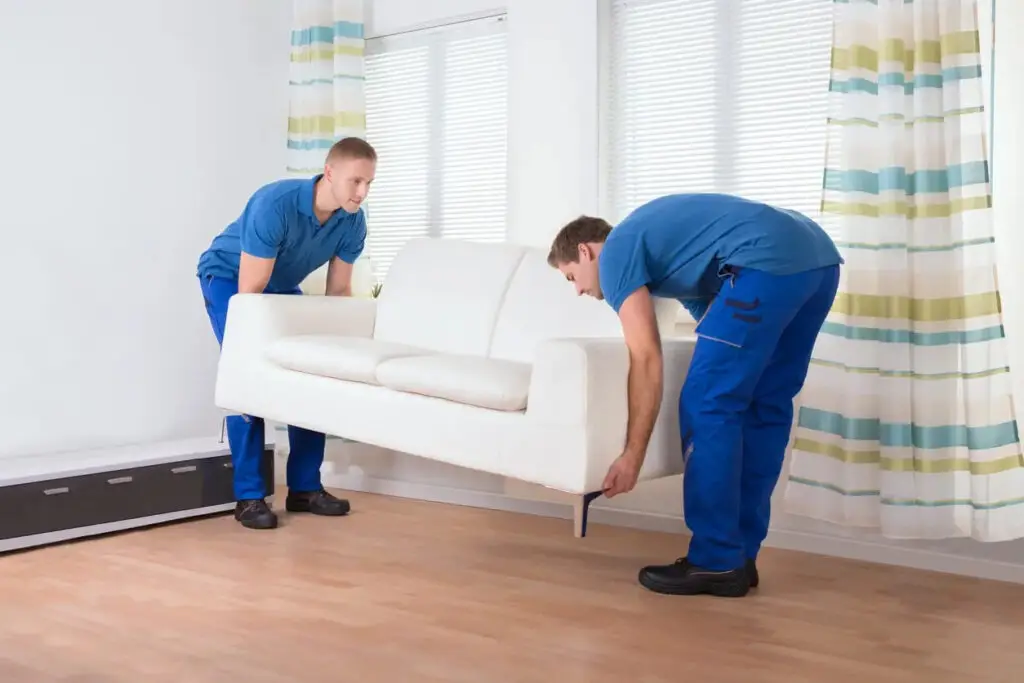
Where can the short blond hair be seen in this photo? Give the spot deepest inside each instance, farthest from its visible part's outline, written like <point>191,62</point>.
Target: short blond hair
<point>351,148</point>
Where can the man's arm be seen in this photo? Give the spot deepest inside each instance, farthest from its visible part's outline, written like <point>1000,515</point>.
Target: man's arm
<point>339,278</point>
<point>640,328</point>
<point>254,273</point>
<point>339,272</point>
<point>262,234</point>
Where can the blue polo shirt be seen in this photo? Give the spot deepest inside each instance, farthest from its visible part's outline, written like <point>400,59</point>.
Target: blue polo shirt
<point>278,222</point>
<point>678,245</point>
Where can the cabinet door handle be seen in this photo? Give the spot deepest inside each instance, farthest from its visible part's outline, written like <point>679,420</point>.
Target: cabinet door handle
<point>183,469</point>
<point>54,492</point>
<point>120,480</point>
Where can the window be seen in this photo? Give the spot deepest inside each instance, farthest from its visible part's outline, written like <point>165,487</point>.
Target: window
<point>436,111</point>
<point>715,96</point>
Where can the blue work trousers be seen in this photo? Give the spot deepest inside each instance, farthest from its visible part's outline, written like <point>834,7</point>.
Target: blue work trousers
<point>736,408</point>
<point>246,433</point>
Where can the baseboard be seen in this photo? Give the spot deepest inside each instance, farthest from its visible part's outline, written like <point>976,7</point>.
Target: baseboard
<point>801,541</point>
<point>881,553</point>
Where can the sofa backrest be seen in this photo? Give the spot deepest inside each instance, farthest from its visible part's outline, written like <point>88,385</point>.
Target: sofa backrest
<point>541,304</point>
<point>444,294</point>
<point>484,299</point>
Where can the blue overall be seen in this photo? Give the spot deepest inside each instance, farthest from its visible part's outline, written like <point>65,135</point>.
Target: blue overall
<point>736,407</point>
<point>761,282</point>
<point>246,433</point>
<point>278,222</point>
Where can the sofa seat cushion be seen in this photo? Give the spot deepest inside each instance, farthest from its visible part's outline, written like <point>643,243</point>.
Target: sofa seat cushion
<point>347,358</point>
<point>483,382</point>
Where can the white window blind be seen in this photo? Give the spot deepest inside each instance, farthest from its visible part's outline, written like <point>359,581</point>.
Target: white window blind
<point>716,96</point>
<point>436,112</point>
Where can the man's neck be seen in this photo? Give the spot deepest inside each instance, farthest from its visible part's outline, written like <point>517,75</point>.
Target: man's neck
<point>323,203</point>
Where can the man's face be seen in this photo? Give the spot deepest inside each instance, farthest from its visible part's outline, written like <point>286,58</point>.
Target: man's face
<point>583,273</point>
<point>349,180</point>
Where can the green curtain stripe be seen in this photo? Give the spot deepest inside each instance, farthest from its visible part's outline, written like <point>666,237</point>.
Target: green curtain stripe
<point>908,209</point>
<point>920,310</point>
<point>911,248</point>
<point>907,502</point>
<point>896,50</point>
<point>894,117</point>
<point>852,493</point>
<point>904,336</point>
<point>325,54</point>
<point>911,464</point>
<point>907,434</point>
<point>325,125</point>
<point>910,374</point>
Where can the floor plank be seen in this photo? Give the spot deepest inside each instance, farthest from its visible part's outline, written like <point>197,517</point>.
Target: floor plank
<point>415,591</point>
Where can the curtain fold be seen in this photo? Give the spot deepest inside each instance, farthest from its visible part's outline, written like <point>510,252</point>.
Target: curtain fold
<point>906,422</point>
<point>326,84</point>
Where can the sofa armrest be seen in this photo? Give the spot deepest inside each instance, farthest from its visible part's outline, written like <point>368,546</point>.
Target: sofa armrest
<point>584,382</point>
<point>255,320</point>
<point>575,380</point>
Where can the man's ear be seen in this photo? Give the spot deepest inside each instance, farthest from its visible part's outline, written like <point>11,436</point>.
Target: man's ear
<point>585,252</point>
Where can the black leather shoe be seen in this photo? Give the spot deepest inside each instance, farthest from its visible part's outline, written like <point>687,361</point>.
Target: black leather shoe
<point>255,514</point>
<point>683,578</point>
<point>752,573</point>
<point>317,502</point>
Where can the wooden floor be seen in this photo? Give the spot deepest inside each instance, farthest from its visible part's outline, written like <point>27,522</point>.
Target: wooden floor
<point>413,591</point>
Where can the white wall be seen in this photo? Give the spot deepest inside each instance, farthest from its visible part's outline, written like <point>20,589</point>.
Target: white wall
<point>553,142</point>
<point>130,134</point>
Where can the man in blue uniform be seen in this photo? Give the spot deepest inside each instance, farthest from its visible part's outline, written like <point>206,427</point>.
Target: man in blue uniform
<point>288,229</point>
<point>760,281</point>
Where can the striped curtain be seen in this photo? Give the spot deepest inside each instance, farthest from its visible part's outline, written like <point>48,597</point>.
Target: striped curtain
<point>327,98</point>
<point>906,422</point>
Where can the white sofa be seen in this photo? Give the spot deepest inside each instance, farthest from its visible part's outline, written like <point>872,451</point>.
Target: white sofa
<point>479,355</point>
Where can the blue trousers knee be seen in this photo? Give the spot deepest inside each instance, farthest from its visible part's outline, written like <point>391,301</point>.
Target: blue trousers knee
<point>246,433</point>
<point>736,408</point>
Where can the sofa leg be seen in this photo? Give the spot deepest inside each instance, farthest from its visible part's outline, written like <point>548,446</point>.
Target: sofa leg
<point>580,509</point>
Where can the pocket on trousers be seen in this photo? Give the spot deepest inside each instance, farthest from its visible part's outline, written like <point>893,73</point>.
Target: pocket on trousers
<point>731,319</point>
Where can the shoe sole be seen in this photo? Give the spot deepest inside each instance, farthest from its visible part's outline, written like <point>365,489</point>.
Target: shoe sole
<point>293,507</point>
<point>719,589</point>
<point>257,527</point>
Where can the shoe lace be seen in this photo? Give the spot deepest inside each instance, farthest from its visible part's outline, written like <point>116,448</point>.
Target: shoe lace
<point>254,506</point>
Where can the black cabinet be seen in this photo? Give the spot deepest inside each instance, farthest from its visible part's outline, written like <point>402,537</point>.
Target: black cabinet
<point>129,493</point>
